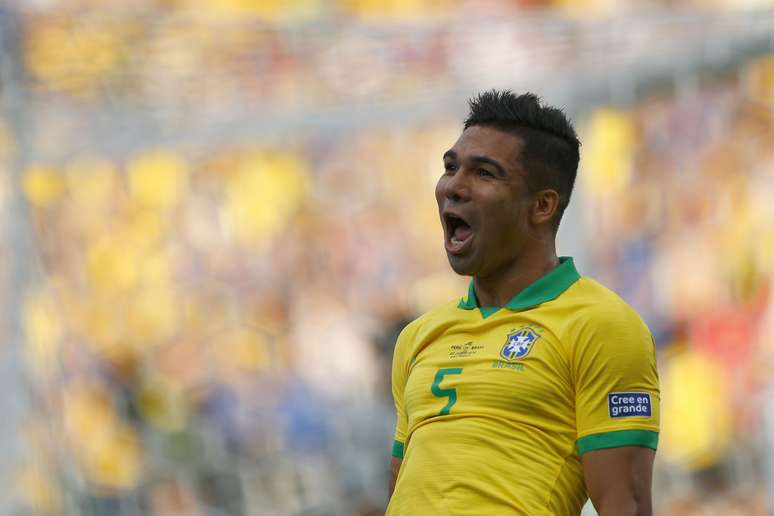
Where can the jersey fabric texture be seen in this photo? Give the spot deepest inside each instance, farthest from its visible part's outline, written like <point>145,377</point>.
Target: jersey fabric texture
<point>495,406</point>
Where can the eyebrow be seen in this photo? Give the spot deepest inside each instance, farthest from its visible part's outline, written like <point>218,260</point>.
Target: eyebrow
<point>496,164</point>
<point>479,159</point>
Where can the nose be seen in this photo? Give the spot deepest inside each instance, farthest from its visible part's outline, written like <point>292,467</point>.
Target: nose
<point>457,187</point>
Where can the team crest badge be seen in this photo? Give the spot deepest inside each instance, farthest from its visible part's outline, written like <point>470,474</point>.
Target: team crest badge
<point>519,343</point>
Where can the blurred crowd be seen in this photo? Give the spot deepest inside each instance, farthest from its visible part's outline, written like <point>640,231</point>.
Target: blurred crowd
<point>210,321</point>
<point>220,314</point>
<point>226,69</point>
<point>678,195</point>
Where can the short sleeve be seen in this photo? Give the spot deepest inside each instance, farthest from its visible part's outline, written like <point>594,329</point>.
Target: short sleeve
<point>400,366</point>
<point>616,382</point>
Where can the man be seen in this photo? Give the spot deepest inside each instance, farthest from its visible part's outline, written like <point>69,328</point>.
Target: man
<point>539,388</point>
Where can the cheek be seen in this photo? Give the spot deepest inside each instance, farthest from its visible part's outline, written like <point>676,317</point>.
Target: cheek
<point>506,221</point>
<point>439,188</point>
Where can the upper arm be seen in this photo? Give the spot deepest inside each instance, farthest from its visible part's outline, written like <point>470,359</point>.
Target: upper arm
<point>616,382</point>
<point>619,480</point>
<point>399,377</point>
<point>617,410</point>
<point>394,470</point>
<point>400,363</point>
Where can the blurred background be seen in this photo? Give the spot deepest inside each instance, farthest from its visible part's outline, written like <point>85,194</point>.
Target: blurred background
<point>216,216</point>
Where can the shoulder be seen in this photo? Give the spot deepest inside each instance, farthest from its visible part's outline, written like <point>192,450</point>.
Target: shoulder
<point>600,321</point>
<point>594,304</point>
<point>416,331</point>
<point>434,317</point>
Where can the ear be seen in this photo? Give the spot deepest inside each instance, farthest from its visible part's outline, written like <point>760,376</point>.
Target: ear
<point>544,207</point>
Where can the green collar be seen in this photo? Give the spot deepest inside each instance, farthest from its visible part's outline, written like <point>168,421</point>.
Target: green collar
<point>542,290</point>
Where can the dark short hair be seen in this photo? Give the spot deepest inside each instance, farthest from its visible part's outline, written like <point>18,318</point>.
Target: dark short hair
<point>551,148</point>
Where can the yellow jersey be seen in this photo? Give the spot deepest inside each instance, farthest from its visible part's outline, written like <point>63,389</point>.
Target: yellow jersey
<point>496,406</point>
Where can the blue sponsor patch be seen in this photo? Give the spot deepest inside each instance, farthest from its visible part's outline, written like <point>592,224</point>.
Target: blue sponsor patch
<point>629,404</point>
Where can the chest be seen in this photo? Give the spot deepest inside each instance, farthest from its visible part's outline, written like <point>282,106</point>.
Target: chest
<point>516,370</point>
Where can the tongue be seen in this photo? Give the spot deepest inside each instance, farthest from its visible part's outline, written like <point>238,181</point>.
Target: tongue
<point>462,232</point>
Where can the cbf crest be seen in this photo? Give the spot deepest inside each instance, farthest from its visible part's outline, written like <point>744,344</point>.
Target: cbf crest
<point>519,343</point>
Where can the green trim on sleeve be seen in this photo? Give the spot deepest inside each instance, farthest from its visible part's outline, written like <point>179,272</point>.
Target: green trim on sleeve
<point>397,449</point>
<point>615,439</point>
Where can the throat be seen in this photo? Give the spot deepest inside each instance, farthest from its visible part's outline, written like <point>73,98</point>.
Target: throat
<point>498,288</point>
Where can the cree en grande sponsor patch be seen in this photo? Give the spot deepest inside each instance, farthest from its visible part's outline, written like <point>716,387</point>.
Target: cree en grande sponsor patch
<point>628,404</point>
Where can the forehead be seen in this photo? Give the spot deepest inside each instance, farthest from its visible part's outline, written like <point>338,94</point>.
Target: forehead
<point>490,142</point>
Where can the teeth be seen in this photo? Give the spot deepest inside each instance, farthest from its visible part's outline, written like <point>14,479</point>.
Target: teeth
<point>455,241</point>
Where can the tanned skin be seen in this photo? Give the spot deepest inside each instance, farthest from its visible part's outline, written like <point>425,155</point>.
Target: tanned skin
<point>513,244</point>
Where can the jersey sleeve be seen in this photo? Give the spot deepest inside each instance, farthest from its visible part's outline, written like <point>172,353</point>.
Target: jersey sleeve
<point>400,367</point>
<point>616,382</point>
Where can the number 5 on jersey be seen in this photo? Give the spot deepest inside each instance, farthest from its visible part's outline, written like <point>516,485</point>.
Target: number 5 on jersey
<point>445,393</point>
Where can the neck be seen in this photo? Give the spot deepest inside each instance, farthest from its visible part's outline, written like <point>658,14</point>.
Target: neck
<point>499,287</point>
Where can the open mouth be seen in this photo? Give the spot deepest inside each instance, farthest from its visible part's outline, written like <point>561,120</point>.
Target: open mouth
<point>458,233</point>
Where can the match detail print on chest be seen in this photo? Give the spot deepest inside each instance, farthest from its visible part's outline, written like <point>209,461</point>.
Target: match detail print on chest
<point>509,343</point>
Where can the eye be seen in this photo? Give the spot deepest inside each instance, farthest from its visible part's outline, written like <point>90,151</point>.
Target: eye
<point>450,167</point>
<point>484,173</point>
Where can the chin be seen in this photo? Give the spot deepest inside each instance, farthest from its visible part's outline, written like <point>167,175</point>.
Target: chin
<point>462,265</point>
